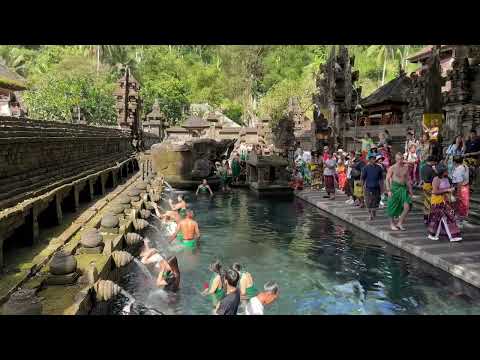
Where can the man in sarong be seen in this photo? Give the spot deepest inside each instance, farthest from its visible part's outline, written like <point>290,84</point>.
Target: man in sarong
<point>189,229</point>
<point>428,173</point>
<point>329,173</point>
<point>400,193</point>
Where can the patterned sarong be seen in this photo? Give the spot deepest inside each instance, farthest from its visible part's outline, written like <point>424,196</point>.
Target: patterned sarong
<point>427,198</point>
<point>329,181</point>
<point>463,201</point>
<point>439,211</point>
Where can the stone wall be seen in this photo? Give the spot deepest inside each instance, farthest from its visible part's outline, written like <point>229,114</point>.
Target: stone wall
<point>37,156</point>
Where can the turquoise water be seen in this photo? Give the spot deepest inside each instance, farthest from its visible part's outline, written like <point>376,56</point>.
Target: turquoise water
<point>322,266</point>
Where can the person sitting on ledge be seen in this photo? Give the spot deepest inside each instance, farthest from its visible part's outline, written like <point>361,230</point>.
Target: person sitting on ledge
<point>268,296</point>
<point>204,188</point>
<point>188,231</point>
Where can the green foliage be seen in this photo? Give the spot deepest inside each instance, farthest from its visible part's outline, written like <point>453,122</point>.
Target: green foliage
<point>245,81</point>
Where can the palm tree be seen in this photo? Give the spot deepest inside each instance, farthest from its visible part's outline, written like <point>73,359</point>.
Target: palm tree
<point>383,52</point>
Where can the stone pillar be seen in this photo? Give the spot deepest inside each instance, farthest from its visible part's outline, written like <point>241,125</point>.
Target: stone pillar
<point>90,188</point>
<point>35,226</point>
<point>58,206</point>
<point>115,178</point>
<point>1,251</point>
<point>76,196</point>
<point>103,181</point>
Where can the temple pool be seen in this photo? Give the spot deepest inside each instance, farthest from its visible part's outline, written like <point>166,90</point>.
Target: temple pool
<point>322,265</point>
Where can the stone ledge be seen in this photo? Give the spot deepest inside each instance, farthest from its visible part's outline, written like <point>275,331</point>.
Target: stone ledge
<point>444,260</point>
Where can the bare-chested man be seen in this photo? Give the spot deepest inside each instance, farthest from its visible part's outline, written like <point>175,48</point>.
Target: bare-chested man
<point>188,229</point>
<point>181,204</point>
<point>400,193</point>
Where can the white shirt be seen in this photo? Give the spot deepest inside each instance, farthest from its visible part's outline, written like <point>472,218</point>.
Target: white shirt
<point>254,307</point>
<point>307,156</point>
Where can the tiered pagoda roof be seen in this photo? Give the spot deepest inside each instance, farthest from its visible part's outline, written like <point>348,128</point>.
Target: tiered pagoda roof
<point>395,91</point>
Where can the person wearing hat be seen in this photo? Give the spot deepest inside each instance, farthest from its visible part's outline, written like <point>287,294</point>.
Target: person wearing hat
<point>372,178</point>
<point>428,173</point>
<point>373,151</point>
<point>442,214</point>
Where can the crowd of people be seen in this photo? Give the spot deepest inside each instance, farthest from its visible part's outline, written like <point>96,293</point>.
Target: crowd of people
<point>229,288</point>
<point>374,177</point>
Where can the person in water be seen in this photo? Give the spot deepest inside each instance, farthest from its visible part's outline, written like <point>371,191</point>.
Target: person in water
<point>149,255</point>
<point>203,188</point>
<point>230,303</point>
<point>247,285</point>
<point>400,193</point>
<point>269,295</point>
<point>169,215</point>
<point>181,204</point>
<point>188,229</point>
<point>216,286</point>
<point>169,274</point>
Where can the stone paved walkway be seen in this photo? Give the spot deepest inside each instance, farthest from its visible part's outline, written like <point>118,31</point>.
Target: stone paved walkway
<point>460,259</point>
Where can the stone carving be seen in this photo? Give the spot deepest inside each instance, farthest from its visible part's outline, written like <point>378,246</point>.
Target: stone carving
<point>336,95</point>
<point>140,224</point>
<point>106,290</point>
<point>145,214</point>
<point>121,258</point>
<point>133,238</point>
<point>109,221</point>
<point>142,186</point>
<point>91,238</point>
<point>116,209</point>
<point>134,192</point>
<point>62,263</point>
<point>23,302</point>
<point>185,164</point>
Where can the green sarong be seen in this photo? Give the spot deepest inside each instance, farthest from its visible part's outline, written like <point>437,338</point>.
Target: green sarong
<point>189,243</point>
<point>235,168</point>
<point>179,237</point>
<point>251,292</point>
<point>219,293</point>
<point>399,197</point>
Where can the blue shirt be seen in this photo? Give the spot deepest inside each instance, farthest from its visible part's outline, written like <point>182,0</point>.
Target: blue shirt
<point>372,176</point>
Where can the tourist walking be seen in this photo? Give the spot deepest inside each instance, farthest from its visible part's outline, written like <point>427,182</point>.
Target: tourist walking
<point>329,174</point>
<point>256,305</point>
<point>442,214</point>
<point>423,153</point>
<point>229,304</point>
<point>342,174</point>
<point>399,190</point>
<point>428,173</point>
<point>460,180</point>
<point>204,188</point>
<point>412,161</point>
<point>247,285</point>
<point>349,183</point>
<point>454,149</point>
<point>356,174</point>
<point>216,286</point>
<point>472,155</point>
<point>372,178</point>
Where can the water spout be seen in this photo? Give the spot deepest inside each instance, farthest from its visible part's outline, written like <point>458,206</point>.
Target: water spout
<point>128,306</point>
<point>144,270</point>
